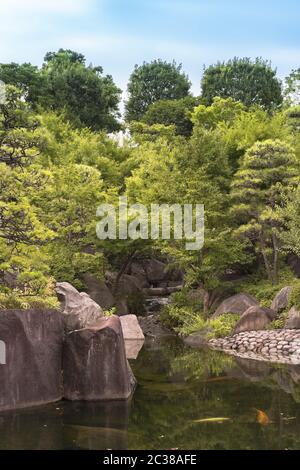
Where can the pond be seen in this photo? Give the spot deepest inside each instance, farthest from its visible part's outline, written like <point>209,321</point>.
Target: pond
<point>185,399</point>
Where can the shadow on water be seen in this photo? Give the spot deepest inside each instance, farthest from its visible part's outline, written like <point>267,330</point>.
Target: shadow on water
<point>181,402</point>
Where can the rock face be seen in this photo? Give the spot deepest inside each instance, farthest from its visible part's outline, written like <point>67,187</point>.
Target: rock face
<point>79,310</point>
<point>293,320</point>
<point>152,327</point>
<point>236,304</point>
<point>255,318</point>
<point>281,300</point>
<point>95,365</point>
<point>30,373</point>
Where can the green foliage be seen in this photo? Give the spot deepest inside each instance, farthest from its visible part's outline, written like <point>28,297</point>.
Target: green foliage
<point>17,300</point>
<point>292,89</point>
<point>151,82</point>
<point>294,300</point>
<point>184,320</point>
<point>223,325</point>
<point>278,323</point>
<point>250,82</point>
<point>268,169</point>
<point>172,113</point>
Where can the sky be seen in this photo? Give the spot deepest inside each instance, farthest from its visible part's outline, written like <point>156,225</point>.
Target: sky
<point>117,34</point>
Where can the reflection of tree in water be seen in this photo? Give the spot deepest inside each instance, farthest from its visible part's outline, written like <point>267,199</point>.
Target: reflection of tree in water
<point>203,384</point>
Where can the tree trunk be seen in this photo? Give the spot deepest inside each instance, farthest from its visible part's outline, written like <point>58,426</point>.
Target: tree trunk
<point>124,266</point>
<point>275,259</point>
<point>265,258</point>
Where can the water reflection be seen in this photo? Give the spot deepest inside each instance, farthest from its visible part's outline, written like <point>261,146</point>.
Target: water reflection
<point>177,386</point>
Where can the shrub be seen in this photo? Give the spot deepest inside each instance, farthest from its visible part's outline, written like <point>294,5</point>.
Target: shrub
<point>223,325</point>
<point>295,295</point>
<point>14,300</point>
<point>184,320</point>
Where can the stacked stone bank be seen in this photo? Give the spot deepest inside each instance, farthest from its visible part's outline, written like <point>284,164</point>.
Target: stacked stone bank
<point>281,346</point>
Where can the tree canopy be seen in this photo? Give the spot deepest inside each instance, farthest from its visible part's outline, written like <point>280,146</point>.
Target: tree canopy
<point>151,82</point>
<point>244,80</point>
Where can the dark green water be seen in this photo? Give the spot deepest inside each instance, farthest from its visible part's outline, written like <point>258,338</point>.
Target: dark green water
<point>177,385</point>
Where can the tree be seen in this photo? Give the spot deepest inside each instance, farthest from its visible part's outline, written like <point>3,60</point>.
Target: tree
<point>27,78</point>
<point>250,82</point>
<point>151,82</point>
<point>22,232</point>
<point>20,139</point>
<point>268,170</point>
<point>172,112</point>
<point>292,90</point>
<point>290,214</point>
<point>87,97</point>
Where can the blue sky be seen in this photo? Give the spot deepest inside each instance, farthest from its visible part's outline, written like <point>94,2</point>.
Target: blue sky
<point>118,34</point>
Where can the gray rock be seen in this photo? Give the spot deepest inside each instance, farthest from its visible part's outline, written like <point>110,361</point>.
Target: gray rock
<point>152,327</point>
<point>95,365</point>
<point>281,300</point>
<point>31,371</point>
<point>236,304</point>
<point>79,310</point>
<point>99,291</point>
<point>255,318</point>
<point>131,328</point>
<point>293,320</point>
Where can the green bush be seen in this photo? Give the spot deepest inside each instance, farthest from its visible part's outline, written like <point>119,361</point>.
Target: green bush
<point>184,320</point>
<point>223,325</point>
<point>14,300</point>
<point>278,323</point>
<point>295,294</point>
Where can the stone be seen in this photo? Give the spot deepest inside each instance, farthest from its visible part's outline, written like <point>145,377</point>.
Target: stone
<point>281,300</point>
<point>237,304</point>
<point>79,310</point>
<point>152,327</point>
<point>293,319</point>
<point>131,328</point>
<point>255,318</point>
<point>99,291</point>
<point>95,365</point>
<point>133,335</point>
<point>30,373</point>
<point>196,340</point>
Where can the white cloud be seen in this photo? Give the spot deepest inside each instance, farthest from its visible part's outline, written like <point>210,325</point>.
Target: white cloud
<point>48,6</point>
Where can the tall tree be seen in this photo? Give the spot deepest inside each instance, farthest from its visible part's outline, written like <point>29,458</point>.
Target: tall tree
<point>268,170</point>
<point>251,82</point>
<point>153,81</point>
<point>26,77</point>
<point>292,90</point>
<point>88,98</point>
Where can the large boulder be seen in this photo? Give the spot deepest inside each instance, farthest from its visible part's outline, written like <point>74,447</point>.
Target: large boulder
<point>281,300</point>
<point>255,318</point>
<point>30,373</point>
<point>95,365</point>
<point>99,291</point>
<point>133,336</point>
<point>79,310</point>
<point>293,319</point>
<point>237,304</point>
<point>131,328</point>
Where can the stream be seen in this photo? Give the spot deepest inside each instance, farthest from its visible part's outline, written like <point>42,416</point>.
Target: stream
<point>185,399</point>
